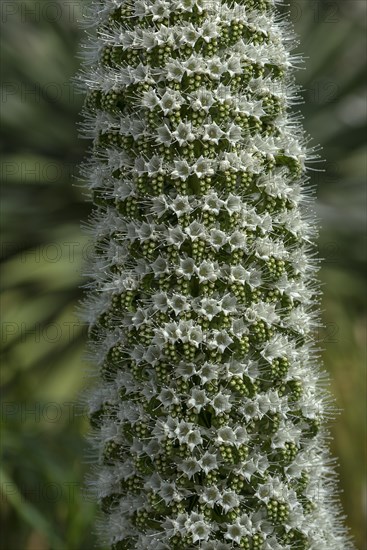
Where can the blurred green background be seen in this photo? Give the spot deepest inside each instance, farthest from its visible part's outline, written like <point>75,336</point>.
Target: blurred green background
<point>44,457</point>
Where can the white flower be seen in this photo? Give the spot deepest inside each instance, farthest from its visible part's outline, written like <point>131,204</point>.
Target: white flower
<point>198,527</point>
<point>252,369</point>
<point>170,101</point>
<point>174,70</point>
<point>233,203</point>
<point>229,500</point>
<point>210,495</point>
<point>216,67</point>
<point>244,105</point>
<point>266,312</point>
<point>127,39</point>
<point>180,205</point>
<point>235,532</point>
<point>150,99</point>
<point>250,409</point>
<point>178,303</point>
<point>193,439</point>
<point>164,135</point>
<point>137,354</point>
<point>141,8</point>
<point>167,333</point>
<point>187,268</point>
<point>187,5</point>
<point>225,163</point>
<point>299,320</point>
<point>238,327</point>
<point>257,110</point>
<point>200,531</point>
<point>177,524</point>
<point>212,132</point>
<point>238,273</point>
<point>221,403</point>
<point>164,429</point>
<point>264,492</point>
<point>275,488</point>
<point>182,169</point>
<point>209,30</point>
<point>160,266</point>
<point>153,355</point>
<point>197,400</point>
<point>278,346</point>
<point>215,545</point>
<point>250,162</point>
<point>203,167</point>
<point>208,372</point>
<point>154,166</point>
<point>189,467</point>
<point>148,40</point>
<point>195,336</point>
<point>202,100</point>
<point>224,93</point>
<point>208,462</point>
<point>184,133</point>
<point>217,238</point>
<point>206,271</point>
<point>220,340</point>
<point>137,128</point>
<point>237,240</point>
<point>226,435</point>
<point>294,149</point>
<point>124,190</point>
<point>158,206</point>
<point>265,223</point>
<point>165,36</point>
<point>193,65</point>
<point>261,462</point>
<point>255,278</point>
<point>142,73</point>
<point>241,435</point>
<point>160,301</point>
<point>168,491</point>
<point>208,308</point>
<point>139,318</point>
<point>168,397</point>
<point>271,401</point>
<point>311,404</point>
<point>183,429</point>
<point>264,248</point>
<point>234,133</point>
<point>145,231</point>
<point>286,432</point>
<point>160,10</point>
<point>190,34</point>
<point>275,185</point>
<point>186,370</point>
<point>195,230</point>
<point>212,203</point>
<point>247,523</point>
<point>234,65</point>
<point>175,236</point>
<point>249,468</point>
<point>184,328</point>
<point>272,544</point>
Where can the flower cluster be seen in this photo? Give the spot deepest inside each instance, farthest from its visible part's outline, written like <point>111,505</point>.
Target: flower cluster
<point>209,412</point>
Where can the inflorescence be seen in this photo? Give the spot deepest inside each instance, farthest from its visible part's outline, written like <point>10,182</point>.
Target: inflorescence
<point>209,416</point>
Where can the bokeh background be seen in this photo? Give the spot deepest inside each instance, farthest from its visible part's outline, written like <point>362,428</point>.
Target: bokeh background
<point>44,459</point>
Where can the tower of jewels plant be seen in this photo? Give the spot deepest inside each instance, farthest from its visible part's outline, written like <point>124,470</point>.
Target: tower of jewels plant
<point>209,410</point>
